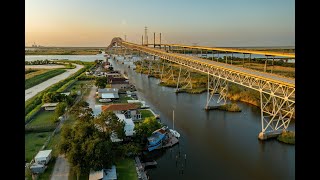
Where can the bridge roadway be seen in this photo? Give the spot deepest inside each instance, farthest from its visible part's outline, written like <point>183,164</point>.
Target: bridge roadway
<point>245,71</point>
<point>233,50</point>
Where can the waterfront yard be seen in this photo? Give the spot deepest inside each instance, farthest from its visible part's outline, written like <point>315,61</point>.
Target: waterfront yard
<point>145,113</point>
<point>126,169</point>
<point>33,143</point>
<point>43,118</point>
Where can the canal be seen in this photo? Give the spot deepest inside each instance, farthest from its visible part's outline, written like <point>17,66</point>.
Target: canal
<point>215,144</point>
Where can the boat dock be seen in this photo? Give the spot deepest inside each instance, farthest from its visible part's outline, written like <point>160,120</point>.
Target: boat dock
<point>140,169</point>
<point>172,141</point>
<point>153,163</point>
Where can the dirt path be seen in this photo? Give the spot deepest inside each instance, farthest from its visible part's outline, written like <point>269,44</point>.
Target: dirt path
<point>61,169</point>
<point>29,93</point>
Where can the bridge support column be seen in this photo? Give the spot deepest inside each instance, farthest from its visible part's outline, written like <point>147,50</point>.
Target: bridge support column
<point>186,80</point>
<point>219,86</point>
<point>276,114</point>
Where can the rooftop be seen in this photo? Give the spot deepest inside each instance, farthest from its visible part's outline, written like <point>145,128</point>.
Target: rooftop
<point>44,153</point>
<point>119,107</point>
<point>49,105</point>
<point>108,90</point>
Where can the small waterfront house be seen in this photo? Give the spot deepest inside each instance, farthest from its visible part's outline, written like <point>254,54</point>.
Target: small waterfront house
<point>108,93</point>
<point>104,174</point>
<point>49,106</point>
<point>43,157</point>
<point>130,110</point>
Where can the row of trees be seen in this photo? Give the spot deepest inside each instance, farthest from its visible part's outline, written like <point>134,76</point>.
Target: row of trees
<point>87,144</point>
<point>39,62</point>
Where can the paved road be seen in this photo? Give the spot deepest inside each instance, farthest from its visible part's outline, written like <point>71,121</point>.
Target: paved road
<point>29,93</point>
<point>61,169</point>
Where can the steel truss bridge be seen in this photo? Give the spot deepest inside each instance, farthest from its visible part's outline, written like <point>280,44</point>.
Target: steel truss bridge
<point>277,93</point>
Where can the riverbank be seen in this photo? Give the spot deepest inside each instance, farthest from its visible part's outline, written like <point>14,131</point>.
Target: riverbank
<point>287,137</point>
<point>199,84</point>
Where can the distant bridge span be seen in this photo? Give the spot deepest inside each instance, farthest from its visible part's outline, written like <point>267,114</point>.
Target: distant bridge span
<point>277,93</point>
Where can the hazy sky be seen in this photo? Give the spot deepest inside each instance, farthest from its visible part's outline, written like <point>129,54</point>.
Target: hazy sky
<point>205,22</point>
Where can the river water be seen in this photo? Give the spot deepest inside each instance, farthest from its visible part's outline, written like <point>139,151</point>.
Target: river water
<point>217,144</point>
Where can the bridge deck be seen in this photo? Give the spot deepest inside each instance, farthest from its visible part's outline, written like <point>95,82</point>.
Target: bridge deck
<point>245,51</point>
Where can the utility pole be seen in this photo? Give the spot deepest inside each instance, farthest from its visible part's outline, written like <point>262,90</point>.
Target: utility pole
<point>160,40</point>
<point>146,35</point>
<point>154,40</point>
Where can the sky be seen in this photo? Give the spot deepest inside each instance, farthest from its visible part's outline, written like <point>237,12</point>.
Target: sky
<point>229,23</point>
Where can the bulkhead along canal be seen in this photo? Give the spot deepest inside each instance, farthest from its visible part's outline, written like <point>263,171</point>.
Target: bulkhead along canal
<point>214,144</point>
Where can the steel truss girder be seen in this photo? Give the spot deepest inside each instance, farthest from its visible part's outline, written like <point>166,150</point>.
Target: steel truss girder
<point>282,95</point>
<point>260,84</point>
<point>168,71</point>
<point>276,113</point>
<point>186,80</point>
<point>217,85</point>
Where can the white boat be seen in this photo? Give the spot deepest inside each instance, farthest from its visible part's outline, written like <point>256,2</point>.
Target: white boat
<point>174,132</point>
<point>105,100</point>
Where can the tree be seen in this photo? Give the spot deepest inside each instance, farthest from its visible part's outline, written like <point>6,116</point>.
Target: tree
<point>60,109</point>
<point>82,111</point>
<point>85,147</point>
<point>101,82</point>
<point>145,129</point>
<point>109,123</point>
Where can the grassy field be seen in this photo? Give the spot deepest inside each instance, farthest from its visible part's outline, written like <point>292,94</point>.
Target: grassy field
<point>64,51</point>
<point>146,113</point>
<point>126,170</point>
<point>42,118</point>
<point>33,143</point>
<point>35,80</point>
<point>34,72</point>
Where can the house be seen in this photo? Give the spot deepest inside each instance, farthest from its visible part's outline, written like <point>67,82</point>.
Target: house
<point>49,106</point>
<point>104,174</point>
<point>114,75</point>
<point>108,93</point>
<point>43,157</point>
<point>128,109</point>
<point>37,168</point>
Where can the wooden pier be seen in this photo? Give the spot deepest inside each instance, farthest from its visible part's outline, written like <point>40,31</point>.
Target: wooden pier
<point>140,169</point>
<point>153,163</point>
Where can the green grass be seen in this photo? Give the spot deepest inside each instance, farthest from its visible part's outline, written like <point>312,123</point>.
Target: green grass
<point>146,113</point>
<point>43,118</point>
<point>53,144</point>
<point>126,169</point>
<point>42,77</point>
<point>123,98</point>
<point>47,173</point>
<point>33,143</point>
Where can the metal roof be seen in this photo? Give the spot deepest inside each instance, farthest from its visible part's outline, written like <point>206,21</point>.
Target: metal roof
<point>44,153</point>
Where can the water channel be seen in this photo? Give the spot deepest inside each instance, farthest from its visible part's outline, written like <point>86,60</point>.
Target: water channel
<point>217,144</point>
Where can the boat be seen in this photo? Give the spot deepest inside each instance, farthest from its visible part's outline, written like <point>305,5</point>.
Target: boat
<point>105,100</point>
<point>174,132</point>
<point>156,139</point>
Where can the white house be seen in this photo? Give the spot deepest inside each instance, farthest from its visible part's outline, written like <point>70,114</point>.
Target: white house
<point>108,93</point>
<point>129,125</point>
<point>43,157</point>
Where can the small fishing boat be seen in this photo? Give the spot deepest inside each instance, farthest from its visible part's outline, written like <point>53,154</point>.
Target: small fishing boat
<point>105,100</point>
